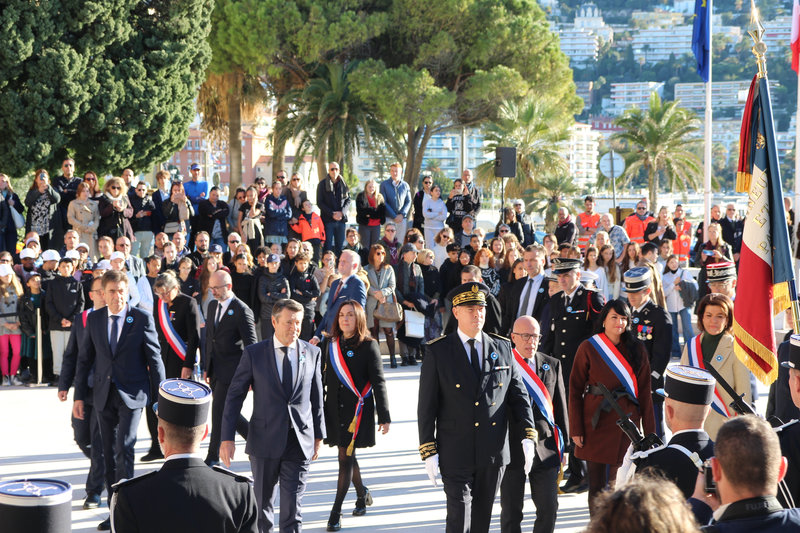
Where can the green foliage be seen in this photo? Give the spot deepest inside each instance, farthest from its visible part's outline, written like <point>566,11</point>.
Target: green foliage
<point>110,83</point>
<point>551,193</point>
<point>660,144</point>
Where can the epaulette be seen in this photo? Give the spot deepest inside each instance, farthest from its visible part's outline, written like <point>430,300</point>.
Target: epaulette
<point>645,453</point>
<point>234,475</point>
<point>123,482</point>
<point>434,341</point>
<point>499,337</point>
<point>786,425</point>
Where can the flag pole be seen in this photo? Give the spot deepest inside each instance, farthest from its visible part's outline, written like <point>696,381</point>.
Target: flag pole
<point>707,130</point>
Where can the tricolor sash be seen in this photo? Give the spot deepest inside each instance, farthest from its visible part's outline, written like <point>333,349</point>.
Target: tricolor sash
<point>616,362</point>
<point>540,397</point>
<point>343,373</point>
<point>695,351</point>
<point>174,340</point>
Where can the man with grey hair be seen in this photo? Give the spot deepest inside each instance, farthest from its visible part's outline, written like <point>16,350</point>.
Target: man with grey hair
<point>229,330</point>
<point>348,287</point>
<point>565,231</point>
<point>617,235</point>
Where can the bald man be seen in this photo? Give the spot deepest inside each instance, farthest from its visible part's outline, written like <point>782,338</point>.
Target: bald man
<point>349,287</point>
<point>229,329</point>
<point>543,477</point>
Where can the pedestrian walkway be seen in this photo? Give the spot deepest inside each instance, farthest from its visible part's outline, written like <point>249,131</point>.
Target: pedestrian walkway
<point>37,442</point>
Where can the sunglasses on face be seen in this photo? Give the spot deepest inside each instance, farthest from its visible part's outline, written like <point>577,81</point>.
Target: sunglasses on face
<point>114,188</point>
<point>389,231</point>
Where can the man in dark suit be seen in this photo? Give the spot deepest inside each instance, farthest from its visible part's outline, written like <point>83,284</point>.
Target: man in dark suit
<point>122,346</point>
<point>789,433</point>
<point>229,330</point>
<point>528,296</point>
<point>288,423</point>
<point>348,287</point>
<point>688,392</point>
<point>543,477</point>
<point>653,326</point>
<point>572,315</point>
<point>184,495</point>
<point>472,274</point>
<point>469,390</point>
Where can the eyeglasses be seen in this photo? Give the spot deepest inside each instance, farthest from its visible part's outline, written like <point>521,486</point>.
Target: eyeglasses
<point>376,253</point>
<point>640,208</point>
<point>5,260</point>
<point>527,336</point>
<point>389,230</point>
<point>502,231</point>
<point>114,188</point>
<point>234,242</point>
<point>89,179</point>
<point>295,179</point>
<point>218,288</point>
<point>426,182</point>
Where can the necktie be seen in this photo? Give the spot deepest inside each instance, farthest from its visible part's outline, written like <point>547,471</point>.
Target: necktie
<point>112,342</point>
<point>336,294</point>
<point>219,314</point>
<point>287,380</point>
<point>474,358</point>
<point>526,299</point>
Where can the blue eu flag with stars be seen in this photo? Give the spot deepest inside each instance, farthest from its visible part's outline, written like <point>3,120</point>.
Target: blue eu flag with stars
<point>701,37</point>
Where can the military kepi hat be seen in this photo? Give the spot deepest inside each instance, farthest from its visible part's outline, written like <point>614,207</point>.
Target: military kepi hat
<point>472,293</point>
<point>688,384</point>
<point>794,353</point>
<point>562,265</point>
<point>183,402</point>
<point>637,279</point>
<point>720,271</point>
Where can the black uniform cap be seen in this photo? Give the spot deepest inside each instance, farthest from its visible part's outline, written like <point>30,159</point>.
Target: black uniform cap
<point>183,402</point>
<point>688,384</point>
<point>794,353</point>
<point>472,293</point>
<point>561,265</point>
<point>637,279</point>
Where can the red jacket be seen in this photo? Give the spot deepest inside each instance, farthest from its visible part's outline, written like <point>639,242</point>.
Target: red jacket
<point>314,230</point>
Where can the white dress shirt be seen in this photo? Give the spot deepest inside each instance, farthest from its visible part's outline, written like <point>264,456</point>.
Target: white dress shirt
<point>478,346</point>
<point>533,285</point>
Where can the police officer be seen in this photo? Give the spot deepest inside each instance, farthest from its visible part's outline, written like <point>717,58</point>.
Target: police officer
<point>469,388</point>
<point>542,378</point>
<point>721,278</point>
<point>186,494</point>
<point>571,321</point>
<point>789,433</point>
<point>653,326</point>
<point>688,392</point>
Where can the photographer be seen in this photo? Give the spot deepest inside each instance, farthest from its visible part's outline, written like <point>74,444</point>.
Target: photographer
<point>746,471</point>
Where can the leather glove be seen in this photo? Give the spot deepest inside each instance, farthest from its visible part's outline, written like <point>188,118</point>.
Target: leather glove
<point>432,468</point>
<point>529,449</point>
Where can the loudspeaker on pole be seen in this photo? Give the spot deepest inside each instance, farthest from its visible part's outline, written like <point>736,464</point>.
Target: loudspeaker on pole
<point>505,162</point>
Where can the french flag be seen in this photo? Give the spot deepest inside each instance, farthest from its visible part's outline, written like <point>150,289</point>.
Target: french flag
<point>795,40</point>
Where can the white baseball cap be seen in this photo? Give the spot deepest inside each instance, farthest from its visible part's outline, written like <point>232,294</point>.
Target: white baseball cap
<point>50,255</point>
<point>27,253</point>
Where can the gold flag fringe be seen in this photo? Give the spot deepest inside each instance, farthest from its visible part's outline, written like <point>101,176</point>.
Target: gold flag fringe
<point>762,351</point>
<point>743,181</point>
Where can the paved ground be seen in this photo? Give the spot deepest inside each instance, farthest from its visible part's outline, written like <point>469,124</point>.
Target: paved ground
<point>37,442</point>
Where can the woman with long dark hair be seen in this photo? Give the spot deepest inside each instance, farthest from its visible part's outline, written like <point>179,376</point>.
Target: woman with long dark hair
<point>8,240</point>
<point>355,391</point>
<point>42,203</point>
<point>615,358</point>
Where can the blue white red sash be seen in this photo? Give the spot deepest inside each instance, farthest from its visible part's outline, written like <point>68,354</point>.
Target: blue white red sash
<point>540,397</point>
<point>343,373</point>
<point>695,351</point>
<point>174,340</point>
<point>616,362</point>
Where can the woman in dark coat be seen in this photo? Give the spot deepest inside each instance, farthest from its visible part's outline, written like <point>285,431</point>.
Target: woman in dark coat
<point>593,424</point>
<point>361,355</point>
<point>8,241</point>
<point>714,250</point>
<point>42,203</point>
<point>115,210</point>
<point>184,315</point>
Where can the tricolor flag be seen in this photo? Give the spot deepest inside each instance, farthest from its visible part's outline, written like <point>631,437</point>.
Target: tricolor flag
<point>765,262</point>
<point>796,37</point>
<point>701,37</point>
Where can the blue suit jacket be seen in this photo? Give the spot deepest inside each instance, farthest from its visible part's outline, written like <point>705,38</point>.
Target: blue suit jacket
<point>354,289</point>
<point>269,425</point>
<point>134,369</point>
<point>398,203</point>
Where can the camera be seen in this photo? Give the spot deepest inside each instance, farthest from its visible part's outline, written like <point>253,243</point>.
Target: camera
<point>709,486</point>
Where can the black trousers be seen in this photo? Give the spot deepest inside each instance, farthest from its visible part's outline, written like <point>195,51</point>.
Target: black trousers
<point>220,390</point>
<point>470,496</point>
<point>87,437</point>
<point>118,426</point>
<point>543,480</point>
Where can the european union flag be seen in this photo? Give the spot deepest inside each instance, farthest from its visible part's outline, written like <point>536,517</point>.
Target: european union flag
<point>701,37</point>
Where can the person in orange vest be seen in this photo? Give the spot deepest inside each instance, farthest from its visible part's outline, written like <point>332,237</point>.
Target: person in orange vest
<point>636,223</point>
<point>683,228</point>
<point>587,222</point>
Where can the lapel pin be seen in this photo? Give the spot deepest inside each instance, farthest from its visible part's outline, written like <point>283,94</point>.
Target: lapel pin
<point>569,308</point>
<point>493,356</point>
<point>230,312</point>
<point>545,367</point>
<point>129,320</point>
<point>636,320</point>
<point>350,353</point>
<point>719,357</point>
<point>541,290</point>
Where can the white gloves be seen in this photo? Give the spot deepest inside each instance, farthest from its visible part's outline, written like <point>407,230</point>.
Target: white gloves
<point>432,468</point>
<point>529,449</point>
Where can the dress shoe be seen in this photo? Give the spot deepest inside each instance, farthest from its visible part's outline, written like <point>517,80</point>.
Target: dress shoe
<point>393,362</point>
<point>105,525</point>
<point>362,502</point>
<point>15,381</point>
<point>334,522</point>
<point>412,361</point>
<point>153,455</point>
<point>575,488</point>
<point>92,501</point>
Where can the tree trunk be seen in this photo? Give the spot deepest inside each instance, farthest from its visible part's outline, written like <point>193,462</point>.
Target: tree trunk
<point>235,138</point>
<point>278,146</point>
<point>652,184</point>
<point>322,164</point>
<point>416,144</point>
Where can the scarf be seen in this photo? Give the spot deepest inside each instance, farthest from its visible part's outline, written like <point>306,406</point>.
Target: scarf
<point>566,220</point>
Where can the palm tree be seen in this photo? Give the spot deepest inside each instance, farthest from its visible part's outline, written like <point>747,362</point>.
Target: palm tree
<point>535,126</point>
<point>551,193</point>
<point>327,119</point>
<point>660,145</point>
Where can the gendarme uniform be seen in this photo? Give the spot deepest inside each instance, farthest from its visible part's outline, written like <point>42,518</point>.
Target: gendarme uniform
<point>653,326</point>
<point>469,391</point>
<point>185,494</point>
<point>571,318</point>
<point>789,436</point>
<point>718,272</point>
<point>681,458</point>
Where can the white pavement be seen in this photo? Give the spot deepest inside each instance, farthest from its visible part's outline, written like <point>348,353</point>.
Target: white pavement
<point>37,442</point>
